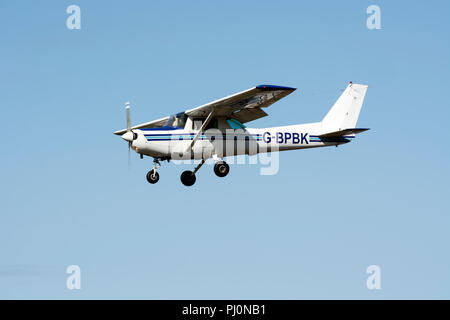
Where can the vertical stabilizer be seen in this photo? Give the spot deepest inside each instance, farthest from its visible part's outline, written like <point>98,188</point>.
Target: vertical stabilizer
<point>345,112</point>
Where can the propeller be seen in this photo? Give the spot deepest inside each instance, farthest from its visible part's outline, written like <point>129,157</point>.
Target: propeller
<point>129,135</point>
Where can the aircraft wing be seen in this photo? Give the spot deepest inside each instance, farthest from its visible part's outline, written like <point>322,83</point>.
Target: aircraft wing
<point>244,106</point>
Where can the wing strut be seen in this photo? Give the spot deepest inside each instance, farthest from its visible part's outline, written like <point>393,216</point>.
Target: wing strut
<point>201,130</point>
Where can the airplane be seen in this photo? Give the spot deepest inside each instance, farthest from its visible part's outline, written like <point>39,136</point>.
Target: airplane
<point>216,130</point>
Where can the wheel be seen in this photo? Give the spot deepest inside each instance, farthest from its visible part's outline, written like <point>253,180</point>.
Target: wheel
<point>152,177</point>
<point>188,178</point>
<point>221,169</point>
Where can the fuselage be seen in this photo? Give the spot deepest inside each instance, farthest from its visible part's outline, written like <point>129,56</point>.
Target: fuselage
<point>216,130</point>
<point>175,143</point>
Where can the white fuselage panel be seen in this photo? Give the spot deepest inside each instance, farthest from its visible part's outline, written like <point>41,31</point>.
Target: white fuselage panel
<point>176,144</point>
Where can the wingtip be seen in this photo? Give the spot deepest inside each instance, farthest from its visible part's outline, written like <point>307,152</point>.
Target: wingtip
<point>274,87</point>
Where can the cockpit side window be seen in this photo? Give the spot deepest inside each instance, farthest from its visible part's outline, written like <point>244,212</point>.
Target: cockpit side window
<point>213,124</point>
<point>197,123</point>
<point>177,120</point>
<point>170,121</point>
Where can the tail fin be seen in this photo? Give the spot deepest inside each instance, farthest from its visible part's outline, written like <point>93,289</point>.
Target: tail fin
<point>345,112</point>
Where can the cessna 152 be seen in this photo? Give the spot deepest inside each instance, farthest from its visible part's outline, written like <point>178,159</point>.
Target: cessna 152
<point>215,130</point>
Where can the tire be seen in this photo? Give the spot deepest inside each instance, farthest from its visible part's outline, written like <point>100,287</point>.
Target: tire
<point>152,178</point>
<point>188,178</point>
<point>221,169</point>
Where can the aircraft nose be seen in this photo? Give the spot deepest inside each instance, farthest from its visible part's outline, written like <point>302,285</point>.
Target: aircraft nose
<point>128,136</point>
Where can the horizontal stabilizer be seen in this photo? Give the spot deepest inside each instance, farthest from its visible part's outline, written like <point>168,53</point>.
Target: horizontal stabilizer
<point>345,132</point>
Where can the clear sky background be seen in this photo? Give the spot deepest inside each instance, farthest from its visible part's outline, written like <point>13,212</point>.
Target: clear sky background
<point>67,196</point>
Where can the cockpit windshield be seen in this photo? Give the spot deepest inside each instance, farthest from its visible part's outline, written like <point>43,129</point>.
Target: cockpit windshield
<point>177,120</point>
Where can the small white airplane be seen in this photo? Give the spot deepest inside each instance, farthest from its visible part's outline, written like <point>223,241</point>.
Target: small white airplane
<point>215,130</point>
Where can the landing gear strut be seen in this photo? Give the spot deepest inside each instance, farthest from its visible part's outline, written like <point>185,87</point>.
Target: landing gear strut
<point>152,175</point>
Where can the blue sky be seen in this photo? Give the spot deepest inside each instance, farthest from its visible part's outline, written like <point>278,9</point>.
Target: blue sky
<point>67,196</point>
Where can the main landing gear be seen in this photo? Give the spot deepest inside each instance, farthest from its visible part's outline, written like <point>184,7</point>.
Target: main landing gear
<point>221,169</point>
<point>188,177</point>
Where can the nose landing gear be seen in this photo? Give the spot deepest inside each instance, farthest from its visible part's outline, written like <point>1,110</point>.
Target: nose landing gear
<point>152,175</point>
